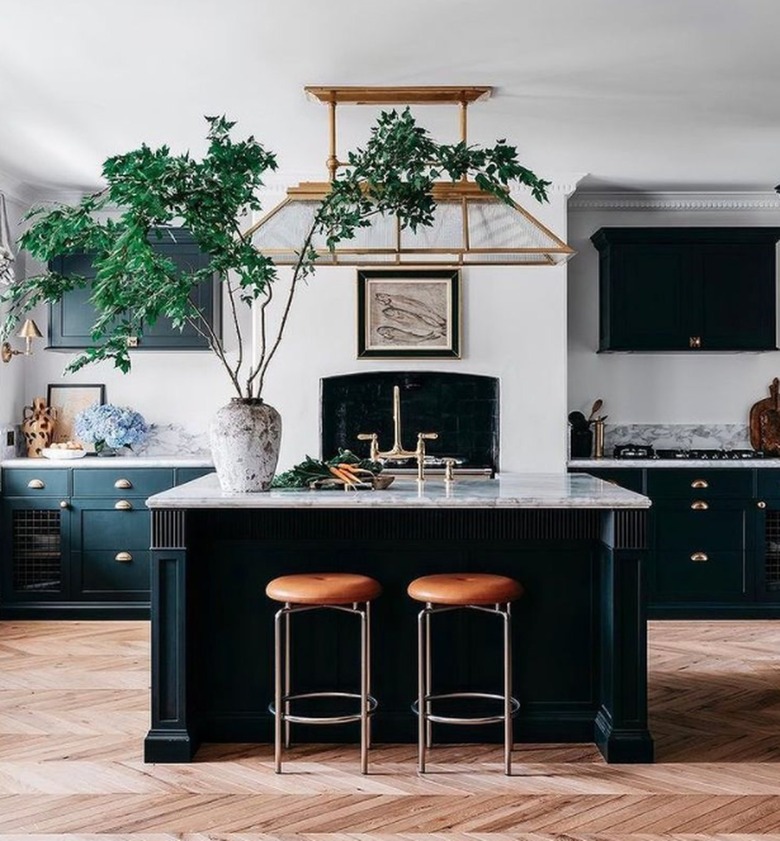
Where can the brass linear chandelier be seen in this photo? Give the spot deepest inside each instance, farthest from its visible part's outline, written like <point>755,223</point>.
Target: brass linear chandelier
<point>471,226</point>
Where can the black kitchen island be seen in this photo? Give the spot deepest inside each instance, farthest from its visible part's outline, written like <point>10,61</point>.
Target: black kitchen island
<point>575,542</point>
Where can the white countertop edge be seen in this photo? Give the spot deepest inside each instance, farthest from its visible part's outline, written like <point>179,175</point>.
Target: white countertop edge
<point>693,464</point>
<point>540,490</point>
<point>116,462</point>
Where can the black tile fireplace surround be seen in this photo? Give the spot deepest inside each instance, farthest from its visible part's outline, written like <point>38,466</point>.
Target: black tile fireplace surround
<point>462,408</point>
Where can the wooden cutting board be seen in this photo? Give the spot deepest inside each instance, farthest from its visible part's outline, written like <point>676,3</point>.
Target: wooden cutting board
<point>764,421</point>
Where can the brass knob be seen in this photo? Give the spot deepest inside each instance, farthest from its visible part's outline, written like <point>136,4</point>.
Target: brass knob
<point>761,504</point>
<point>694,341</point>
<point>700,557</point>
<point>700,483</point>
<point>123,557</point>
<point>64,503</point>
<point>123,505</point>
<point>131,341</point>
<point>36,484</point>
<point>699,505</point>
<point>123,484</point>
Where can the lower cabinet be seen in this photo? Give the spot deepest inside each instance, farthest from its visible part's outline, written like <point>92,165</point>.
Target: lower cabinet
<point>714,541</point>
<point>75,542</point>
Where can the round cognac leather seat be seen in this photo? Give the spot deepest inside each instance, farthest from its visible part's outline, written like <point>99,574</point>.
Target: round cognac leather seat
<point>465,589</point>
<point>323,588</point>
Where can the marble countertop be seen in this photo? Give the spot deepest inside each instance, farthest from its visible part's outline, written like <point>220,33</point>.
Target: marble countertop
<point>124,462</point>
<point>531,490</point>
<point>692,463</point>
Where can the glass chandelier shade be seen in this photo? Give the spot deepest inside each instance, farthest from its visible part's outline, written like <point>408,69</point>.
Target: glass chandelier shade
<point>470,226</point>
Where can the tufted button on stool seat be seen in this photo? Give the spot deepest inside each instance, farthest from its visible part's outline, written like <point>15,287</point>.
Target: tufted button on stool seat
<point>492,594</point>
<point>346,592</point>
<point>323,588</point>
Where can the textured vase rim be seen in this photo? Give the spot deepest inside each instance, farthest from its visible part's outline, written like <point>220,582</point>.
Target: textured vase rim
<point>247,401</point>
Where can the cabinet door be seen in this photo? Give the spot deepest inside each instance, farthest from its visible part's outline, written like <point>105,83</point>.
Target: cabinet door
<point>110,558</point>
<point>700,553</point>
<point>648,297</point>
<point>35,541</point>
<point>71,318</point>
<point>738,297</point>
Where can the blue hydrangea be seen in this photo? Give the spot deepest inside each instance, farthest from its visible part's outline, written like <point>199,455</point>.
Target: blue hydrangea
<point>111,426</point>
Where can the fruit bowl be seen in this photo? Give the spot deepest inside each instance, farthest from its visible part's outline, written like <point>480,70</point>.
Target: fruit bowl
<point>62,455</point>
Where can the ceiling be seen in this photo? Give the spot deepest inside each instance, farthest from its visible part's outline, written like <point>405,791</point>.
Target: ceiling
<point>661,95</point>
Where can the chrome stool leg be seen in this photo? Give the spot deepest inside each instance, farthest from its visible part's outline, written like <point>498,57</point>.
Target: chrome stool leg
<point>363,614</point>
<point>428,679</point>
<point>368,669</point>
<point>287,673</point>
<point>278,677</point>
<point>422,689</point>
<point>508,730</point>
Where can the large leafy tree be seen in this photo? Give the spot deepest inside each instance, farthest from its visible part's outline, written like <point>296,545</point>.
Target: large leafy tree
<point>153,188</point>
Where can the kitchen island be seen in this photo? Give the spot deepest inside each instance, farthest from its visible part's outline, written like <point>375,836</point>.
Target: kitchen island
<point>575,542</point>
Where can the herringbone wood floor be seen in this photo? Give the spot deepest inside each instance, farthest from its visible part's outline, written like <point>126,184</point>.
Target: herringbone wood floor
<point>74,710</point>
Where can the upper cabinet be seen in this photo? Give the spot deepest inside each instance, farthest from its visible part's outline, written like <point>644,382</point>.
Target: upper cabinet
<point>687,289</point>
<point>71,318</point>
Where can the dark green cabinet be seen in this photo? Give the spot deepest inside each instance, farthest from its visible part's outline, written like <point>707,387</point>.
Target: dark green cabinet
<point>75,541</point>
<point>71,318</point>
<point>687,289</point>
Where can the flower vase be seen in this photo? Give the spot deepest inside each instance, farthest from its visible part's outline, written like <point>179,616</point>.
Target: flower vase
<point>38,427</point>
<point>245,437</point>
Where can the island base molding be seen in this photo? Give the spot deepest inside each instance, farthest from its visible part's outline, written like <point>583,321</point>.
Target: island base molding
<point>580,631</point>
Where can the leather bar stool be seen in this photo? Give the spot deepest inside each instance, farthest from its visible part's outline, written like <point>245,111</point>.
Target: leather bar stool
<point>334,591</point>
<point>491,594</point>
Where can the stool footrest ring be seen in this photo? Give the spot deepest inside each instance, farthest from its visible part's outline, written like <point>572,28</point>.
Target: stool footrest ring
<point>486,719</point>
<point>322,719</point>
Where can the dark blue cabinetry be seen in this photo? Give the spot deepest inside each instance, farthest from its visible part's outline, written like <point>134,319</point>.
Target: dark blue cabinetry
<point>687,289</point>
<point>71,318</point>
<point>75,542</point>
<point>713,538</point>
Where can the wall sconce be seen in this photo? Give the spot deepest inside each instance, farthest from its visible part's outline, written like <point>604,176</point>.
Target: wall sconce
<point>28,332</point>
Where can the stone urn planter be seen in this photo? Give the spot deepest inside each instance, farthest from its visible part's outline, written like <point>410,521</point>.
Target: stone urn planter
<point>245,436</point>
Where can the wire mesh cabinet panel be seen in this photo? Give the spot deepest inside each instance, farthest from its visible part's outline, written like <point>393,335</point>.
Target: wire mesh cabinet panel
<point>36,536</point>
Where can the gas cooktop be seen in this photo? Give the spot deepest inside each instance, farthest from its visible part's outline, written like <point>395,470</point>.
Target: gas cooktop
<point>646,451</point>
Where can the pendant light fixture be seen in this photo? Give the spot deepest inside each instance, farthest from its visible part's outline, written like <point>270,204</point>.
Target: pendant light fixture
<point>471,226</point>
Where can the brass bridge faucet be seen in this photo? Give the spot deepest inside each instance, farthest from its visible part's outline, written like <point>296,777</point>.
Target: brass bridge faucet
<point>398,451</point>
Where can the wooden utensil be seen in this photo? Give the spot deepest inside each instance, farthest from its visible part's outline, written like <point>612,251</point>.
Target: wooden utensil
<point>756,411</point>
<point>596,407</point>
<point>769,423</point>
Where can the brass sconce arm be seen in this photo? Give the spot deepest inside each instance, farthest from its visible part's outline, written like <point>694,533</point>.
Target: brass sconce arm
<point>28,332</point>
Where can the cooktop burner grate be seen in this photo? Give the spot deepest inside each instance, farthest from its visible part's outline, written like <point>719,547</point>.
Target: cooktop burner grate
<point>646,451</point>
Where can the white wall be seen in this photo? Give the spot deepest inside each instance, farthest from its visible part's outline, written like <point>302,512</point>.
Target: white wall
<point>659,388</point>
<point>514,327</point>
<point>14,374</point>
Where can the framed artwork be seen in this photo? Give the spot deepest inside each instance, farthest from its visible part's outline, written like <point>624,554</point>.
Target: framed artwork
<point>68,400</point>
<point>408,313</point>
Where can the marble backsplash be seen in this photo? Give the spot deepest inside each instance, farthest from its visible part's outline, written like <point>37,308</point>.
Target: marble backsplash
<point>173,439</point>
<point>729,436</point>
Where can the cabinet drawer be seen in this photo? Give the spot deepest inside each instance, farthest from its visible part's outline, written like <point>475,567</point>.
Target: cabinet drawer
<point>716,528</point>
<point>31,482</point>
<point>135,482</point>
<point>101,527</point>
<point>108,573</point>
<point>679,577</point>
<point>706,483</point>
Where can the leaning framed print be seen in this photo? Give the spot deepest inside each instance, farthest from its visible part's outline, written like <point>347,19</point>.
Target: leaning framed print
<point>408,313</point>
<point>68,399</point>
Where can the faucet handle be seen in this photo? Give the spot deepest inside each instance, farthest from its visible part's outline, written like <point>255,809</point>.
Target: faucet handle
<point>427,436</point>
<point>449,465</point>
<point>374,439</point>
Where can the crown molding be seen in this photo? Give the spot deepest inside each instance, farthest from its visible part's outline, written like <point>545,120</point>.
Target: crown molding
<point>685,201</point>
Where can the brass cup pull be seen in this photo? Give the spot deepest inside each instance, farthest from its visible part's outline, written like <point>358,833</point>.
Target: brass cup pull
<point>123,505</point>
<point>699,505</point>
<point>700,483</point>
<point>700,557</point>
<point>36,484</point>
<point>123,557</point>
<point>761,504</point>
<point>123,484</point>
